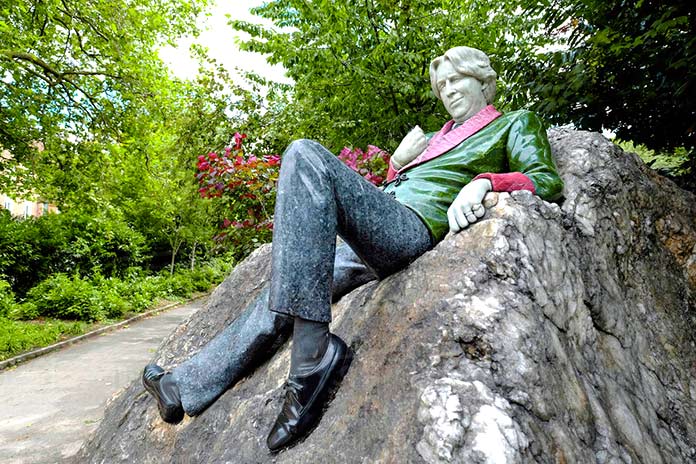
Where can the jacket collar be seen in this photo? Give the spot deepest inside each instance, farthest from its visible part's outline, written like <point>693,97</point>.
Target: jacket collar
<point>448,138</point>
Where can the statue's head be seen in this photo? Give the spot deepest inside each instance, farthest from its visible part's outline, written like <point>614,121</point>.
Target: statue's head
<point>464,80</point>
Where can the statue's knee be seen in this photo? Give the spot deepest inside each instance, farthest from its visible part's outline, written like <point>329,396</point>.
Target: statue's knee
<point>305,150</point>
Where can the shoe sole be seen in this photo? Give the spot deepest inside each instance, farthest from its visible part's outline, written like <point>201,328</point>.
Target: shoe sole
<point>326,398</point>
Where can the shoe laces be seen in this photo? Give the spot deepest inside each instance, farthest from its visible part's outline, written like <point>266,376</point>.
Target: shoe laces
<point>293,385</point>
<point>292,395</point>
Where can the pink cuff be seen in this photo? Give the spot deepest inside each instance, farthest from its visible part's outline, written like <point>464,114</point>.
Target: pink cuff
<point>508,181</point>
<point>391,172</point>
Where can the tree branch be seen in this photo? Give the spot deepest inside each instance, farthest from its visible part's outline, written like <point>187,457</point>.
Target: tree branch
<point>11,55</point>
<point>61,76</point>
<point>83,19</point>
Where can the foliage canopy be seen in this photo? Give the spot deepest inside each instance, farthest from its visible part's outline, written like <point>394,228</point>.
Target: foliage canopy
<point>72,70</point>
<point>361,69</point>
<point>623,65</point>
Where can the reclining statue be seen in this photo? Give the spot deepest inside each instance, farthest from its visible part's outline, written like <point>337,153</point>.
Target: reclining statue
<point>436,183</point>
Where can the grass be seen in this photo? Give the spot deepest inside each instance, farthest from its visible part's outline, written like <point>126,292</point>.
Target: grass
<point>17,337</point>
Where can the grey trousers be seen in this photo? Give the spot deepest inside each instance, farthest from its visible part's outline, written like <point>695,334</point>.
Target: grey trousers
<point>318,197</point>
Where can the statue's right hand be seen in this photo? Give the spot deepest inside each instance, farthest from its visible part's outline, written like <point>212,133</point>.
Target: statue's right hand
<point>410,147</point>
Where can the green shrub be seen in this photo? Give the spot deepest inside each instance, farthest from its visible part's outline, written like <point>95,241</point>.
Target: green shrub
<point>63,297</point>
<point>76,298</point>
<point>177,285</point>
<point>678,164</point>
<point>7,299</point>
<point>203,278</point>
<point>108,296</point>
<point>141,293</point>
<point>25,311</point>
<point>33,249</point>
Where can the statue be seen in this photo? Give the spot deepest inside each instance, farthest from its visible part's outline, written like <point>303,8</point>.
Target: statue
<point>436,183</point>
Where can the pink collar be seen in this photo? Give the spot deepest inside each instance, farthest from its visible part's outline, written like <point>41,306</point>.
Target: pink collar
<point>447,138</point>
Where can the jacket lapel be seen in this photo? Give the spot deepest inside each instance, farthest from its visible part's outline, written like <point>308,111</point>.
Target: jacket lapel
<point>446,139</point>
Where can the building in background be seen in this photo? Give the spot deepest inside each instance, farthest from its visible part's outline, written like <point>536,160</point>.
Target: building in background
<point>24,208</point>
<point>20,207</point>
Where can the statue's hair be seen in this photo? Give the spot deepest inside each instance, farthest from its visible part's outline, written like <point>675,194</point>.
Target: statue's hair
<point>469,62</point>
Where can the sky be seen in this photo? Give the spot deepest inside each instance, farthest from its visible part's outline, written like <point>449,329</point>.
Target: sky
<point>220,39</point>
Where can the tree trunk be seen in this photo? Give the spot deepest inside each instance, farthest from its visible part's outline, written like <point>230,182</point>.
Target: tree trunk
<point>193,254</point>
<point>175,250</point>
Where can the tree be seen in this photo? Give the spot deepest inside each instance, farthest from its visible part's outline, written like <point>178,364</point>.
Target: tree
<point>623,65</point>
<point>72,70</point>
<point>361,68</point>
<point>155,184</point>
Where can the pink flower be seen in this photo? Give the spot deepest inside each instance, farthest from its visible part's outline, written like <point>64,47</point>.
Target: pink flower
<point>238,138</point>
<point>373,150</point>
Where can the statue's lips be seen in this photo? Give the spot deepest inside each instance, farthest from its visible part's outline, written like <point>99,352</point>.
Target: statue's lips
<point>457,101</point>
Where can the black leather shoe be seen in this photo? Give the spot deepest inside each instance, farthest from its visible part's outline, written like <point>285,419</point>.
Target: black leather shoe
<point>161,385</point>
<point>306,396</point>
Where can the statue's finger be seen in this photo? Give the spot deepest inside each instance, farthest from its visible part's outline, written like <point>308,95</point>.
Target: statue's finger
<point>479,210</point>
<point>454,227</point>
<point>460,217</point>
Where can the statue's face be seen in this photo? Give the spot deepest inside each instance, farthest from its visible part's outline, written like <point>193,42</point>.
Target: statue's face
<point>462,95</point>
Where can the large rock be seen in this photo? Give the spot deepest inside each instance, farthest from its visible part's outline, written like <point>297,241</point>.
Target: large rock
<point>541,334</point>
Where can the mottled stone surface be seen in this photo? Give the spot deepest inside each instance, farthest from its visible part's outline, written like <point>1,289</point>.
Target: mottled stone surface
<point>541,334</point>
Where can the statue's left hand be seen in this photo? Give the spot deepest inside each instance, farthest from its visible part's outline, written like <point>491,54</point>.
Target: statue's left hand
<point>468,208</point>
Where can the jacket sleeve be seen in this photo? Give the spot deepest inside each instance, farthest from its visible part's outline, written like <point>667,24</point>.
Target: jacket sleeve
<point>529,160</point>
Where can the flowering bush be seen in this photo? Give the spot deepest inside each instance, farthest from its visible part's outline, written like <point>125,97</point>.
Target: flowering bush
<point>246,186</point>
<point>371,164</point>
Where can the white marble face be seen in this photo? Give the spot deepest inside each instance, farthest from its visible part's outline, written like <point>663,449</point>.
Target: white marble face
<point>462,95</point>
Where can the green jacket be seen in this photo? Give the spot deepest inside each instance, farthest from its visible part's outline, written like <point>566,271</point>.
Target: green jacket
<point>514,142</point>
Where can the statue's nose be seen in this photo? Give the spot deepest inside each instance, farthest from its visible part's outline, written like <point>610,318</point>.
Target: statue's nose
<point>449,89</point>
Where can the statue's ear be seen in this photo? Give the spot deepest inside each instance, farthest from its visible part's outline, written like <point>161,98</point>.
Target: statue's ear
<point>484,86</point>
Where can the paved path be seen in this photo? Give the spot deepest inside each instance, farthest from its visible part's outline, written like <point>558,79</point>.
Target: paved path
<point>49,405</point>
